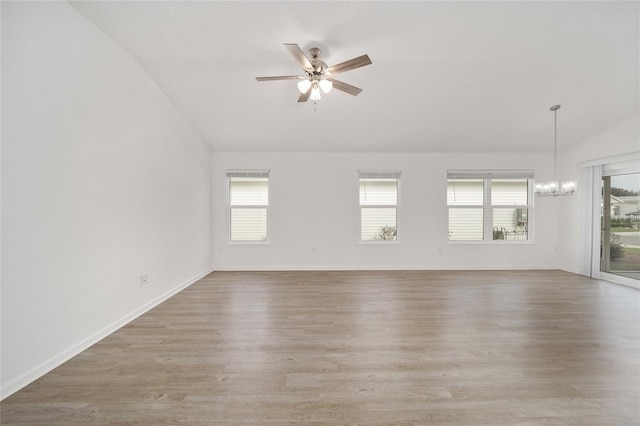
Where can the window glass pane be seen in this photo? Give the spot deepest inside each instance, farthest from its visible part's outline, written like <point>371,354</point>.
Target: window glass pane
<point>378,224</point>
<point>509,192</point>
<point>466,224</point>
<point>620,222</point>
<point>510,223</point>
<point>377,192</point>
<point>248,224</point>
<point>248,191</point>
<point>465,192</point>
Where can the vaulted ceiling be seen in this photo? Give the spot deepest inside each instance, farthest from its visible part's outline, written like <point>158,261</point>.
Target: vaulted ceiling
<point>446,76</point>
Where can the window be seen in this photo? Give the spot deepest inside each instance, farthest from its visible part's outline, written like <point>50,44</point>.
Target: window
<point>378,206</point>
<point>620,214</point>
<point>611,218</point>
<point>489,205</point>
<point>248,203</point>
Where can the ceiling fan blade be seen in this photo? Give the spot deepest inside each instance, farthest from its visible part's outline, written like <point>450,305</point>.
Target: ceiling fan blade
<point>280,77</point>
<point>304,96</point>
<point>354,63</point>
<point>300,56</point>
<point>347,88</point>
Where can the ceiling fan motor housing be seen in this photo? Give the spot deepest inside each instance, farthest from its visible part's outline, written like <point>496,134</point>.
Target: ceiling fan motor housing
<point>319,67</point>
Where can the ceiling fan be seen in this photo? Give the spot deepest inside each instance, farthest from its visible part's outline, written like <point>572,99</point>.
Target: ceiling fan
<point>318,74</point>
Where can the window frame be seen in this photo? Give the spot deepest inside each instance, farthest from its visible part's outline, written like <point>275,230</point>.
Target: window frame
<point>250,173</point>
<point>379,174</point>
<point>488,208</point>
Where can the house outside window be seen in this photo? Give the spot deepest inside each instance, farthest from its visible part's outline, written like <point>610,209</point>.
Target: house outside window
<point>379,206</point>
<point>248,205</point>
<point>490,206</point>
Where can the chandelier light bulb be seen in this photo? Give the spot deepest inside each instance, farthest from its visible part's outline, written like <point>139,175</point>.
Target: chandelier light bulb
<point>304,86</point>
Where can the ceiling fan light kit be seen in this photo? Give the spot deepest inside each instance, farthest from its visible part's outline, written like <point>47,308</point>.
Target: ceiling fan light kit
<point>554,188</point>
<point>304,86</point>
<point>315,93</point>
<point>318,75</point>
<point>325,85</point>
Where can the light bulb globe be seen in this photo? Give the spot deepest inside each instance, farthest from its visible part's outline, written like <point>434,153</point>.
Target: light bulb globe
<point>315,94</point>
<point>304,85</point>
<point>325,85</point>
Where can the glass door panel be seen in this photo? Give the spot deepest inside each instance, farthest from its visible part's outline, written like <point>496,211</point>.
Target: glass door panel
<point>620,225</point>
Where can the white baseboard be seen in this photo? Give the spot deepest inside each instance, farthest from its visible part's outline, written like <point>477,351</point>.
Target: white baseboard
<point>381,268</point>
<point>61,358</point>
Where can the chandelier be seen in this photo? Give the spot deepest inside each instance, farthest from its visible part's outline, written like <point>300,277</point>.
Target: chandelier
<point>553,187</point>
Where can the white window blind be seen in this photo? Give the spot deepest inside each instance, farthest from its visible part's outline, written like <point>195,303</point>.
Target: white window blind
<point>461,192</point>
<point>466,220</point>
<point>489,205</point>
<point>248,204</point>
<point>248,191</point>
<point>378,191</point>
<point>509,192</point>
<point>466,224</point>
<point>378,205</point>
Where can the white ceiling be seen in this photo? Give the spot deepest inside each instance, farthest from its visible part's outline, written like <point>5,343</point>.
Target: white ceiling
<point>446,76</point>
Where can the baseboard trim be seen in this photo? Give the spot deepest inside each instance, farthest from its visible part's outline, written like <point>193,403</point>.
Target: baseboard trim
<point>382,268</point>
<point>42,369</point>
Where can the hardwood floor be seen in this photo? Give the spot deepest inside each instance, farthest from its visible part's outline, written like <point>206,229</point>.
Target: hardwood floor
<point>360,348</point>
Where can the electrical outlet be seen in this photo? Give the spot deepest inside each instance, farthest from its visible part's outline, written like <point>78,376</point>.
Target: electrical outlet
<point>144,279</point>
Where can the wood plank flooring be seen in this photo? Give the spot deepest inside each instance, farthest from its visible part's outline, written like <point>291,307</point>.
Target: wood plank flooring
<point>360,348</point>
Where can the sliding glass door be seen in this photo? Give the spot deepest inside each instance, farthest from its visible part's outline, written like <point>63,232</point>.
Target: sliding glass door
<point>620,225</point>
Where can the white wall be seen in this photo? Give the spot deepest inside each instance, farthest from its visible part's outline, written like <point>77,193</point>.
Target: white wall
<point>102,180</point>
<point>621,139</point>
<point>314,214</point>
